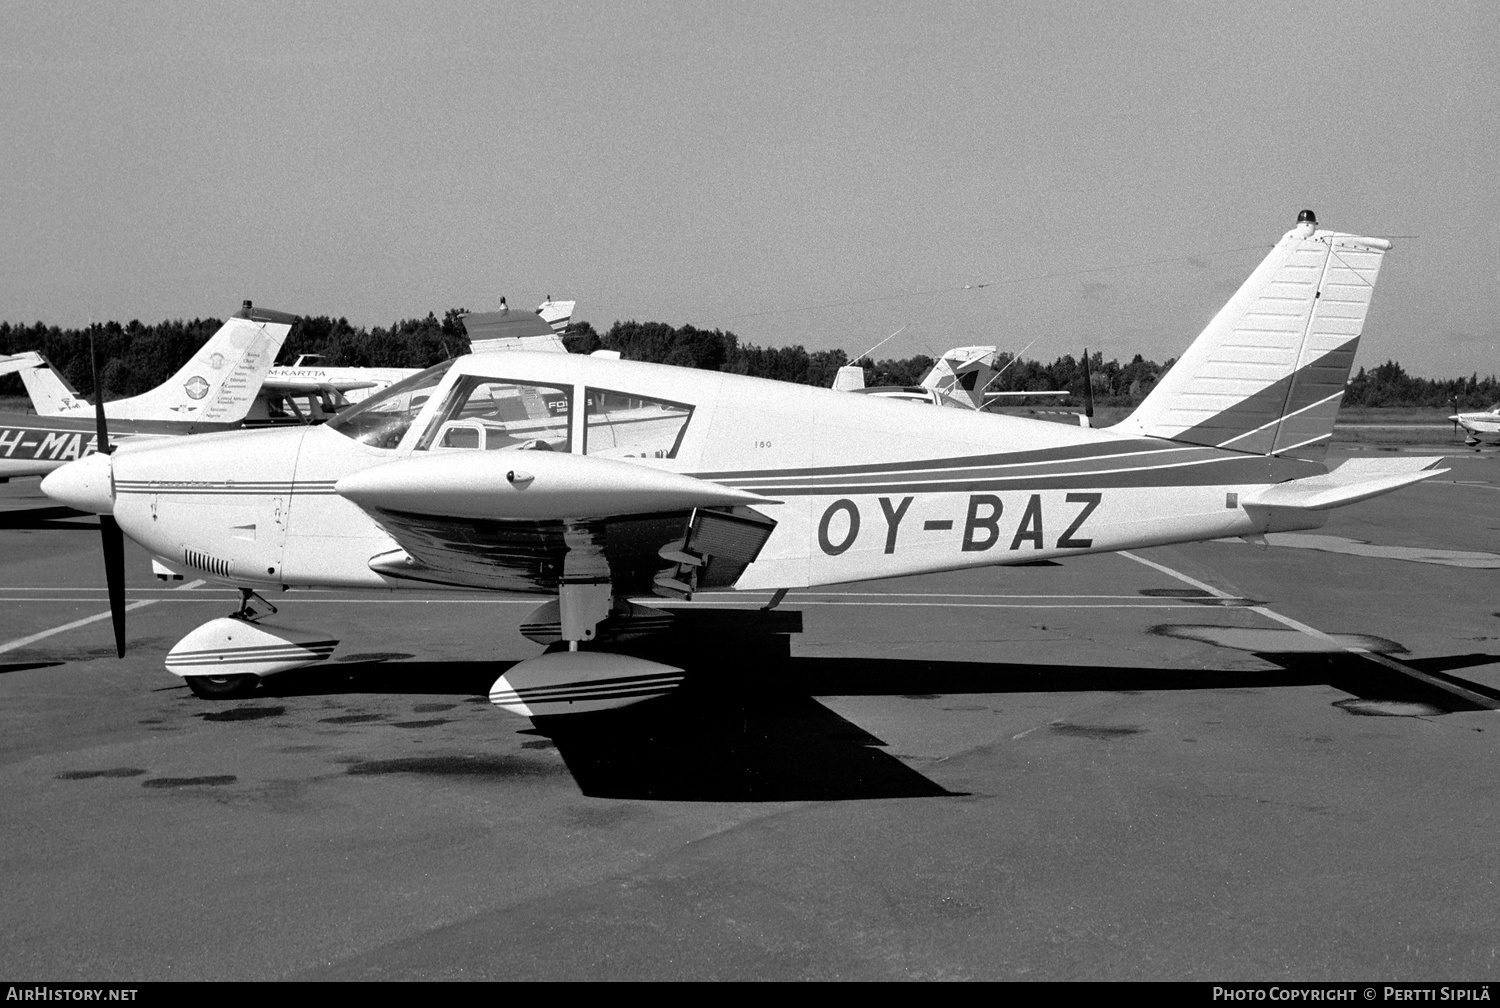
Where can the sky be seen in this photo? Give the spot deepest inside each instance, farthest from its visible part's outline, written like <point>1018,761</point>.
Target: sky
<point>823,174</point>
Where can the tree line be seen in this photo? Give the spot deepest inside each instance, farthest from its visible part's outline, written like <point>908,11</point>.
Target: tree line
<point>135,357</point>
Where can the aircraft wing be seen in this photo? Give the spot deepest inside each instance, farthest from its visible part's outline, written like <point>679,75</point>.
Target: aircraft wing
<point>507,322</point>
<point>533,520</point>
<point>1007,395</point>
<point>280,384</point>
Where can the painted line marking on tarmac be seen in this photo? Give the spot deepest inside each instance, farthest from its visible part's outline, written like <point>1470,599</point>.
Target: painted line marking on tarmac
<point>674,603</point>
<point>1318,635</point>
<point>709,595</point>
<point>967,605</point>
<point>21,642</point>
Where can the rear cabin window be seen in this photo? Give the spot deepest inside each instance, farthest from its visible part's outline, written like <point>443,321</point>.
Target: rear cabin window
<point>622,425</point>
<point>488,414</point>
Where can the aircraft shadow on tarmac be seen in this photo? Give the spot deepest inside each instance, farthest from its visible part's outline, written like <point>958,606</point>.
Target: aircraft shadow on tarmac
<point>750,729</point>
<point>35,518</point>
<point>24,666</point>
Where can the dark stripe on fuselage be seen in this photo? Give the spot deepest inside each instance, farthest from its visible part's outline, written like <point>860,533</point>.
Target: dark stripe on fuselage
<point>231,488</point>
<point>1167,455</point>
<point>1123,446</point>
<point>1225,469</point>
<point>1218,473</point>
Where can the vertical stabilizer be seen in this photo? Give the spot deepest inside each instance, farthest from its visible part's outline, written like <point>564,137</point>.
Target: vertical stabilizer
<point>557,314</point>
<point>1267,374</point>
<point>964,373</point>
<point>51,394</point>
<point>849,378</point>
<point>220,382</point>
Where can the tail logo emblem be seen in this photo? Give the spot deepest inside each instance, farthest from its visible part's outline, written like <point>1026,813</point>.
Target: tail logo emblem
<point>195,387</point>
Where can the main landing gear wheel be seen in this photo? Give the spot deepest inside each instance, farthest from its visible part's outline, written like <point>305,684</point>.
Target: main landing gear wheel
<point>229,687</point>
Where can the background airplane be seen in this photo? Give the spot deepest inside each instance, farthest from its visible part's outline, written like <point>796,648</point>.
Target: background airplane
<point>601,482</point>
<point>1481,426</point>
<point>960,378</point>
<point>213,391</point>
<point>305,392</point>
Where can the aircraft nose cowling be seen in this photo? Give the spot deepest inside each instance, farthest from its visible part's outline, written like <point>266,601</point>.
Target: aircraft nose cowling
<point>87,485</point>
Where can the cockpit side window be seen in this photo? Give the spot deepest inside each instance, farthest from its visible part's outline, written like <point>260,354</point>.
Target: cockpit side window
<point>382,420</point>
<point>486,414</point>
<point>623,425</point>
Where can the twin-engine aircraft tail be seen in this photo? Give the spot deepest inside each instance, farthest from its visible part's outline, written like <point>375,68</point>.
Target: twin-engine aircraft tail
<point>1267,374</point>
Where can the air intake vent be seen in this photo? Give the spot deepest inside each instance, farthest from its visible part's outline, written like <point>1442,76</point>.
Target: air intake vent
<point>212,564</point>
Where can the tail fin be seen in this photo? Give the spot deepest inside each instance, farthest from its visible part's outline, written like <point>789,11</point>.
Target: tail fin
<point>849,378</point>
<point>964,373</point>
<point>1267,374</point>
<point>556,314</point>
<point>219,384</point>
<point>51,393</point>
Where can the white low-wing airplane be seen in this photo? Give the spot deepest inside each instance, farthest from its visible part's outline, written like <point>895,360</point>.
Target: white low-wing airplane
<point>1480,426</point>
<point>596,481</point>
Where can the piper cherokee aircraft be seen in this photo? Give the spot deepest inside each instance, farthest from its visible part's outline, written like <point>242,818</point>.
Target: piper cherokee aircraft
<point>211,392</point>
<point>1481,425</point>
<point>598,481</point>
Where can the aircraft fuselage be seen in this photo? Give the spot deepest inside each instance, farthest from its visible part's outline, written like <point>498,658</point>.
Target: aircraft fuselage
<point>36,445</point>
<point>858,487</point>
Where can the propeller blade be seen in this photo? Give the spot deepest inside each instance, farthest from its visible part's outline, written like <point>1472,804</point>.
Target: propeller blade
<point>101,436</point>
<point>114,576</point>
<point>1088,386</point>
<point>111,538</point>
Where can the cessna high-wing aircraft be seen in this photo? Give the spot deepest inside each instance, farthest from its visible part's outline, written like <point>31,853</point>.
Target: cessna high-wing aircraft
<point>211,392</point>
<point>1481,426</point>
<point>961,378</point>
<point>600,481</point>
<point>306,392</point>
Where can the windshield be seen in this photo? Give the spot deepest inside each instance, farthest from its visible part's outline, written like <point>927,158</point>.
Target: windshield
<point>381,420</point>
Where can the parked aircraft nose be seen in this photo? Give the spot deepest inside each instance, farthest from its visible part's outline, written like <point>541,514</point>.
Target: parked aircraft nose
<point>87,485</point>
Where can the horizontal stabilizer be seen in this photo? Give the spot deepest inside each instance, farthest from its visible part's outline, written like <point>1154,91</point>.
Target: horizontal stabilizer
<point>15,362</point>
<point>1355,480</point>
